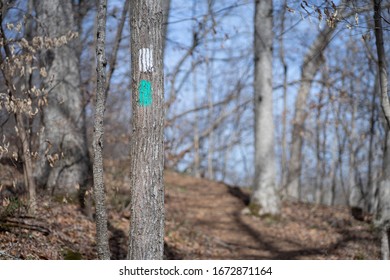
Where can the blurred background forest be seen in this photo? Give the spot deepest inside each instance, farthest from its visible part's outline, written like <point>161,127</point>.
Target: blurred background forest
<point>329,126</point>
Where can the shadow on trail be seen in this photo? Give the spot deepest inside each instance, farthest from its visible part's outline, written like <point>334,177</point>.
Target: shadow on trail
<point>118,246</point>
<point>171,253</point>
<point>270,245</point>
<point>238,193</point>
<point>118,243</point>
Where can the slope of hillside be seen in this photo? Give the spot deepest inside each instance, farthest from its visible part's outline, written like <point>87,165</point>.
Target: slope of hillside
<point>204,220</point>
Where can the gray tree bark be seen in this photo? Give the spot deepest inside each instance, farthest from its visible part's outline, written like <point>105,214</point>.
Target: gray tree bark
<point>196,168</point>
<point>355,200</point>
<point>264,198</point>
<point>98,136</point>
<point>318,191</point>
<point>146,240</point>
<point>63,119</point>
<point>372,182</point>
<point>384,188</point>
<point>166,6</point>
<point>285,110</point>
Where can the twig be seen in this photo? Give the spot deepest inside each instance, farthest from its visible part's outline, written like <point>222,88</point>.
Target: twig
<point>12,223</point>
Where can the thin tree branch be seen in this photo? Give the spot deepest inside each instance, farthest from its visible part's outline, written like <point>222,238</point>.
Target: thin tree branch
<point>117,41</point>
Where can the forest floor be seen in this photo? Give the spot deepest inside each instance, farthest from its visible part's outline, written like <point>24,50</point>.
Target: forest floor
<point>204,220</point>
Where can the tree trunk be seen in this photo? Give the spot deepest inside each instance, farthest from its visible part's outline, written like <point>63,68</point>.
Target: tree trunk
<point>196,165</point>
<point>285,111</point>
<point>318,192</point>
<point>355,200</point>
<point>98,136</point>
<point>64,117</point>
<point>384,188</point>
<point>196,168</point>
<point>264,199</point>
<point>209,93</point>
<point>371,182</point>
<point>383,215</point>
<point>336,150</point>
<point>146,239</point>
<point>166,6</point>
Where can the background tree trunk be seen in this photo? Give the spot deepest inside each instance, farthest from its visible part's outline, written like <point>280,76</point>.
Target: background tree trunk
<point>264,199</point>
<point>146,239</point>
<point>384,188</point>
<point>98,136</point>
<point>355,200</point>
<point>64,117</point>
<point>282,57</point>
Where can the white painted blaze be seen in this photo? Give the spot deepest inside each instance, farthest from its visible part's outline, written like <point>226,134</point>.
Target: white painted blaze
<point>145,60</point>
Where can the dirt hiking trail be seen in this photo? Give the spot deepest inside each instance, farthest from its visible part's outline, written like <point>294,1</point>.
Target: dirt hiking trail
<point>204,220</point>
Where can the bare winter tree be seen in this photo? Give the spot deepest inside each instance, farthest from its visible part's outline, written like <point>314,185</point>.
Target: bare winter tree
<point>312,61</point>
<point>146,240</point>
<point>384,189</point>
<point>98,136</point>
<point>63,135</point>
<point>264,199</point>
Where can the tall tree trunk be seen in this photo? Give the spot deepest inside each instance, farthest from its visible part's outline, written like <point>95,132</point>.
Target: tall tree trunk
<point>264,199</point>
<point>98,136</point>
<point>323,152</point>
<point>146,239</point>
<point>384,197</point>
<point>336,150</point>
<point>318,192</point>
<point>371,182</point>
<point>196,168</point>
<point>383,214</point>
<point>210,140</point>
<point>285,111</point>
<point>355,195</point>
<point>64,117</point>
<point>196,165</point>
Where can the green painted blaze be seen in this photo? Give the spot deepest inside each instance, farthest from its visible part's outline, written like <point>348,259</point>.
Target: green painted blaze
<point>145,93</point>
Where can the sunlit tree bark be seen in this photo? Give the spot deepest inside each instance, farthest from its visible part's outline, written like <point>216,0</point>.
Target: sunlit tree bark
<point>264,199</point>
<point>146,240</point>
